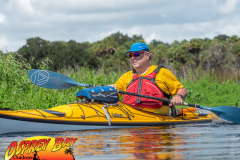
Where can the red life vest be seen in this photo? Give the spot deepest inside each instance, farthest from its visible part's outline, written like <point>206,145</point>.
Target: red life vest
<point>145,86</point>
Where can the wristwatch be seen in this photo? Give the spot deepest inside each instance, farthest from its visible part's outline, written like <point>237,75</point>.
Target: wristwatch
<point>181,96</point>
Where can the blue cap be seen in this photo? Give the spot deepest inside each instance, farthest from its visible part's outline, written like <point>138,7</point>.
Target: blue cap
<point>138,47</point>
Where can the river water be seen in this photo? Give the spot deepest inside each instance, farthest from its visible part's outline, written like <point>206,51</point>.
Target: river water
<point>192,141</point>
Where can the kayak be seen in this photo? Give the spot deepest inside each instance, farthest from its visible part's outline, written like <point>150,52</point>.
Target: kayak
<point>88,116</point>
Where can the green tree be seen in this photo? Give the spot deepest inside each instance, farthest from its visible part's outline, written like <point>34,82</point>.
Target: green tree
<point>159,54</point>
<point>222,37</point>
<point>35,50</point>
<point>104,49</point>
<point>236,49</point>
<point>120,60</point>
<point>120,38</point>
<point>234,39</point>
<point>155,42</point>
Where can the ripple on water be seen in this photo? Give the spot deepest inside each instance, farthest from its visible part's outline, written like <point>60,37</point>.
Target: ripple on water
<point>193,141</point>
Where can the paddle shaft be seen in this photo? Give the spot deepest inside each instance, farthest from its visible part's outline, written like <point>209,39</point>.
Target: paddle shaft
<point>155,98</point>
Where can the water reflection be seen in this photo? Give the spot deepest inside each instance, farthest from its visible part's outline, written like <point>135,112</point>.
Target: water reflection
<point>194,141</point>
<point>137,143</point>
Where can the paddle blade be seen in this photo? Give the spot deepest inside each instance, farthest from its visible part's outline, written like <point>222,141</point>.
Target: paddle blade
<point>53,80</point>
<point>231,114</point>
<point>228,113</point>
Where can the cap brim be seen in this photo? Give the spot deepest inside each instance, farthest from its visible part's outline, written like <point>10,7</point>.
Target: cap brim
<point>134,50</point>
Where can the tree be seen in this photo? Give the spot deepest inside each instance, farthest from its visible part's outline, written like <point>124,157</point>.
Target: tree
<point>155,42</point>
<point>104,49</point>
<point>176,53</point>
<point>62,54</point>
<point>69,151</point>
<point>159,54</point>
<point>120,60</point>
<point>35,50</point>
<point>234,39</point>
<point>120,38</point>
<point>236,49</point>
<point>137,38</point>
<point>222,37</point>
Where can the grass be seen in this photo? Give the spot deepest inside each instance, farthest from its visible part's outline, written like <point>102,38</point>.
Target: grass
<point>17,92</point>
<point>212,94</point>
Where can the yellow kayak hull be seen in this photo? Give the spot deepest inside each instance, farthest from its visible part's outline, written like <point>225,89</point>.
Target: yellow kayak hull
<point>82,116</point>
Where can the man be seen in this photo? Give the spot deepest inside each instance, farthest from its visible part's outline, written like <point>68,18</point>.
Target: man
<point>150,80</point>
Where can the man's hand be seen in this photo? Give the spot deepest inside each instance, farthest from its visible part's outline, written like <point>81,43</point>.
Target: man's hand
<point>177,101</point>
<point>113,85</point>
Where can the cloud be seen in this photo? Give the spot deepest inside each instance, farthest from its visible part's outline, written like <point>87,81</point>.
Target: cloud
<point>228,7</point>
<point>2,18</point>
<point>93,20</point>
<point>170,32</point>
<point>3,43</point>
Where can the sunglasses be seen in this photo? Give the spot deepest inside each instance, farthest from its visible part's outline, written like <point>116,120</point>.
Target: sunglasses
<point>135,54</point>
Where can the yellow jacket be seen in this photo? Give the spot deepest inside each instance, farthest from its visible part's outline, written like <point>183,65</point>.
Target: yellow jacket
<point>165,80</point>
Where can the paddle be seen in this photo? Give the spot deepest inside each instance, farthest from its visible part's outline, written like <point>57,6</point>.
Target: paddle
<point>53,80</point>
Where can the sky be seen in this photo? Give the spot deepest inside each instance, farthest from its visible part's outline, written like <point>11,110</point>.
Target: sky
<point>93,20</point>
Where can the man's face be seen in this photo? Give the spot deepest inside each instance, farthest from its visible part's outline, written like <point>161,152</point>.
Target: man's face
<point>140,59</point>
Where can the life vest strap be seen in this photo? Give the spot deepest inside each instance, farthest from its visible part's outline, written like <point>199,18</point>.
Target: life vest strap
<point>158,68</point>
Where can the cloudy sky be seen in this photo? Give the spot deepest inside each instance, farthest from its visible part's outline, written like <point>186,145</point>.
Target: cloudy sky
<point>93,20</point>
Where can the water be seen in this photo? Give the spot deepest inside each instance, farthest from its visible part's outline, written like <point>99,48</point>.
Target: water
<point>193,141</point>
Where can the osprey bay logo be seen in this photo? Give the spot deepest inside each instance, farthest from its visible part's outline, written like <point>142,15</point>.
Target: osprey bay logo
<point>41,148</point>
<point>40,77</point>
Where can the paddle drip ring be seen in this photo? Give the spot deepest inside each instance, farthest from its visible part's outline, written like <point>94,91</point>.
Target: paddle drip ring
<point>197,109</point>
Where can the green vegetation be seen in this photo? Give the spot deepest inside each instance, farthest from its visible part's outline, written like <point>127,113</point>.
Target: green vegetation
<point>18,92</point>
<point>212,94</point>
